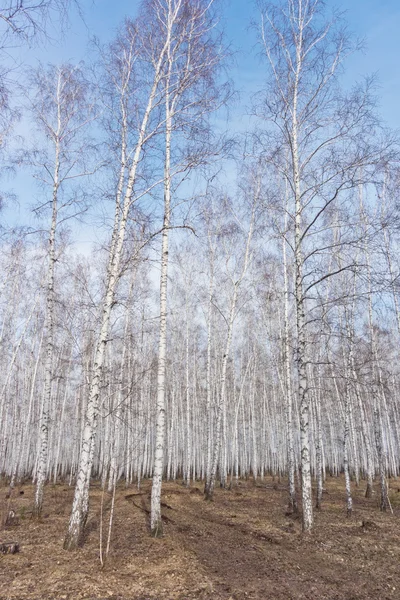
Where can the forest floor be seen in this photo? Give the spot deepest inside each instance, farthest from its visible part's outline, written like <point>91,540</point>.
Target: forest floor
<point>241,546</point>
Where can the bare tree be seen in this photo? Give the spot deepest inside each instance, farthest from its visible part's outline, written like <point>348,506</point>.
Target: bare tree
<point>131,56</point>
<point>193,61</point>
<point>59,103</point>
<point>238,241</point>
<point>326,134</point>
<point>22,22</point>
<point>27,20</point>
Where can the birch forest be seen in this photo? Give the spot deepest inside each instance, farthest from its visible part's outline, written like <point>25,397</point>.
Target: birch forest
<point>236,318</point>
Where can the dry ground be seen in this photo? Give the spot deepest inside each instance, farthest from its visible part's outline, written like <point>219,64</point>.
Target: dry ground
<point>241,546</point>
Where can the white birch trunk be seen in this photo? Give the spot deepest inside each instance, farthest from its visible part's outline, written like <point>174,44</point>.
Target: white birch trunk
<point>80,505</point>
<point>210,483</point>
<point>155,517</point>
<point>375,380</point>
<point>49,325</point>
<point>307,510</point>
<point>288,388</point>
<point>188,408</point>
<point>346,444</point>
<point>208,367</point>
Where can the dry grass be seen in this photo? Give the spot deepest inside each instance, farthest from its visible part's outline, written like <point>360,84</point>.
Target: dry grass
<point>240,546</point>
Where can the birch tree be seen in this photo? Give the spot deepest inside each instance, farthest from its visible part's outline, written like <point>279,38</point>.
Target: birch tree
<point>193,60</point>
<point>236,272</point>
<point>59,104</point>
<point>29,19</point>
<point>326,134</point>
<point>288,381</point>
<point>21,23</point>
<point>129,53</point>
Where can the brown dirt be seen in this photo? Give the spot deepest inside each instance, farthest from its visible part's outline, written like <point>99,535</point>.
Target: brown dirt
<point>241,546</point>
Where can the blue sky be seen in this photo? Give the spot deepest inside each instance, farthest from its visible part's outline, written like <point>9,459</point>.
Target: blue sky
<point>378,22</point>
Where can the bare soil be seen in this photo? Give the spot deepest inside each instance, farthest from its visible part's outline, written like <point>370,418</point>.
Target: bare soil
<point>241,546</point>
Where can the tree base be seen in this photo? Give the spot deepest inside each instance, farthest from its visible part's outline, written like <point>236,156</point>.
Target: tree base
<point>74,540</point>
<point>70,543</point>
<point>36,513</point>
<point>157,530</point>
<point>209,496</point>
<point>9,548</point>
